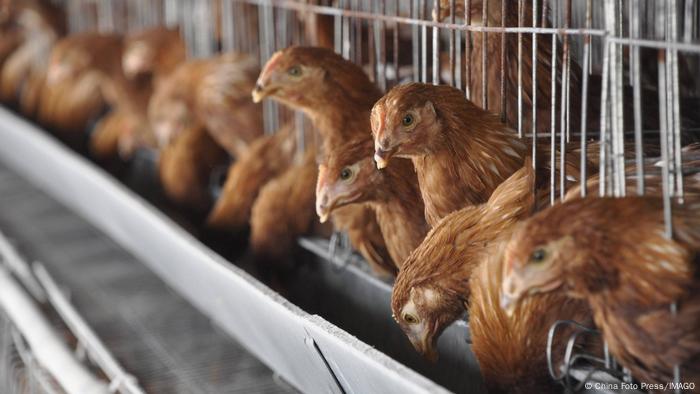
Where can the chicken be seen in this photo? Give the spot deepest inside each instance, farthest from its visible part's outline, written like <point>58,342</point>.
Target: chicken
<point>148,57</point>
<point>213,92</point>
<point>511,349</point>
<point>492,52</point>
<point>337,96</point>
<point>153,53</point>
<point>75,91</point>
<point>432,287</point>
<point>348,176</point>
<point>29,29</point>
<point>461,153</point>
<point>267,158</point>
<point>283,212</point>
<point>184,167</point>
<point>614,255</point>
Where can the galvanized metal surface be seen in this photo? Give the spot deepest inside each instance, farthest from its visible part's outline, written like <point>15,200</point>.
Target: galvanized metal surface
<point>153,332</point>
<point>306,350</point>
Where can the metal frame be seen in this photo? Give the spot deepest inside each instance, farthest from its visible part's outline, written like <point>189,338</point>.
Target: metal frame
<point>592,32</point>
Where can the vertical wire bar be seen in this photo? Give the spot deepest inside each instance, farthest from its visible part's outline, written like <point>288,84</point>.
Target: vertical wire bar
<point>521,10</point>
<point>503,62</point>
<point>424,43</point>
<point>452,42</point>
<point>565,79</point>
<point>604,118</point>
<point>663,123</point>
<point>415,44</point>
<point>612,10</point>
<point>458,56</point>
<point>673,37</point>
<point>484,50</point>
<point>228,35</point>
<point>553,131</point>
<point>669,98</point>
<point>372,46</point>
<point>468,49</point>
<point>397,27</point>
<point>382,48</point>
<point>637,97</point>
<point>436,48</point>
<point>338,31</point>
<point>346,34</point>
<point>358,51</point>
<point>534,86</point>
<point>584,99</point>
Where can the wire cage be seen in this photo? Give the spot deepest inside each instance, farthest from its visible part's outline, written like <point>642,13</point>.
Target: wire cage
<point>603,76</point>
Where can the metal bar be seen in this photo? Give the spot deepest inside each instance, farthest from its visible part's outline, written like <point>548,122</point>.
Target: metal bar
<point>635,75</point>
<point>484,51</point>
<point>566,78</point>
<point>468,49</point>
<point>584,100</point>
<point>18,266</point>
<point>424,43</point>
<point>415,44</point>
<point>46,344</point>
<point>396,44</point>
<point>326,10</point>
<point>122,380</point>
<point>503,63</point>
<point>534,85</point>
<point>604,118</point>
<point>553,131</point>
<point>436,47</point>
<point>452,48</point>
<point>521,10</point>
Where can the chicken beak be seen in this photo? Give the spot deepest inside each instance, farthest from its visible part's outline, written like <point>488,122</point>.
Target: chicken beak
<point>323,207</point>
<point>510,295</point>
<point>381,157</point>
<point>508,304</point>
<point>259,93</point>
<point>425,345</point>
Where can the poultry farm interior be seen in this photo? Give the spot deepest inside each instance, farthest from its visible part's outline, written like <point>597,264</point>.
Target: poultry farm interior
<point>498,195</point>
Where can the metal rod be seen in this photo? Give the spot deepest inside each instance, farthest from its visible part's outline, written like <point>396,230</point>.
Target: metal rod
<point>584,101</point>
<point>484,51</point>
<point>637,98</point>
<point>521,10</point>
<point>436,48</point>
<point>553,131</point>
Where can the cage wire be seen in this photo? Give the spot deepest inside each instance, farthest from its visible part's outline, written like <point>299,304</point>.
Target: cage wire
<point>621,54</point>
<point>20,373</point>
<point>155,334</point>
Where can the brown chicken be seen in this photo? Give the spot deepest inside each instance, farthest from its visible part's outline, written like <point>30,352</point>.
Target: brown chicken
<point>492,52</point>
<point>461,153</point>
<point>213,92</point>
<point>348,176</point>
<point>29,29</point>
<point>613,253</point>
<point>284,211</point>
<point>432,287</point>
<point>337,95</point>
<point>75,91</point>
<point>184,167</point>
<point>511,349</point>
<point>267,158</point>
<point>149,56</point>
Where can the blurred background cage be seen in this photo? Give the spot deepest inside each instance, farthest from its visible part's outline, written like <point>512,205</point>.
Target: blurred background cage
<point>620,72</point>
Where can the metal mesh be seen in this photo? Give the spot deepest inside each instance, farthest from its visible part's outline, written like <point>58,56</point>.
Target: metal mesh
<point>156,335</point>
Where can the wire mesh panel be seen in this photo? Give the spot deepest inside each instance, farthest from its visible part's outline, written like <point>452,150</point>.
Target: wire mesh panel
<point>602,80</point>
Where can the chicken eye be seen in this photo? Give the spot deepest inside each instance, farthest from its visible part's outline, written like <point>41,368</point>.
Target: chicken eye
<point>538,256</point>
<point>407,120</point>
<point>345,173</point>
<point>294,71</point>
<point>410,319</point>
